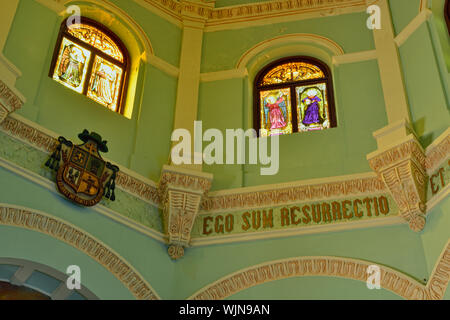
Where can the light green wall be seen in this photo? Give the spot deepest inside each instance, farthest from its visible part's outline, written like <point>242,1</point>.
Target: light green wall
<point>403,12</point>
<point>222,49</point>
<point>30,245</point>
<point>436,233</point>
<point>424,86</point>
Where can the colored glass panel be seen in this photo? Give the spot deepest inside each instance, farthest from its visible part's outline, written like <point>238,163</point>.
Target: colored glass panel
<point>104,85</point>
<point>71,66</point>
<point>292,71</point>
<point>97,39</point>
<point>312,107</point>
<point>276,113</point>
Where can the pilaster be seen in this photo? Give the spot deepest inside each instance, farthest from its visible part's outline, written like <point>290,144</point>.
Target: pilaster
<point>392,83</point>
<point>194,15</point>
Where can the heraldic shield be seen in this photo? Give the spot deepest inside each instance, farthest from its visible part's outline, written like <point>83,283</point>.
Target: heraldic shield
<point>82,175</point>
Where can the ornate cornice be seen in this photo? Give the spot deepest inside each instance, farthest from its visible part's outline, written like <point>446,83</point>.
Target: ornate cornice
<point>9,101</point>
<point>249,12</point>
<point>438,152</point>
<point>397,282</point>
<point>292,194</point>
<point>81,240</point>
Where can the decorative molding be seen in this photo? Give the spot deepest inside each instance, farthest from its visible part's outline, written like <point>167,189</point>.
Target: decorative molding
<point>392,280</point>
<point>9,101</point>
<point>334,48</point>
<point>438,151</point>
<point>294,192</point>
<point>81,240</point>
<point>409,30</point>
<point>181,191</point>
<point>248,14</point>
<point>402,168</point>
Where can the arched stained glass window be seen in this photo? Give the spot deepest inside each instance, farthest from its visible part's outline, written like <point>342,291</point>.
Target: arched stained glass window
<point>294,95</point>
<point>92,61</point>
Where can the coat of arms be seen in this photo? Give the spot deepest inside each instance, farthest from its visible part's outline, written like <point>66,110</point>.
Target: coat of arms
<point>82,175</point>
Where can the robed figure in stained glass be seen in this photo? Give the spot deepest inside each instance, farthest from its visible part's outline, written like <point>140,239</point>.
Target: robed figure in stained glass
<point>312,111</point>
<point>104,84</point>
<point>72,65</point>
<point>275,112</point>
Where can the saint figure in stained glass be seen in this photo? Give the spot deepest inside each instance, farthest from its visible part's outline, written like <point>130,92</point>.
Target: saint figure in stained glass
<point>312,111</point>
<point>72,65</point>
<point>276,111</point>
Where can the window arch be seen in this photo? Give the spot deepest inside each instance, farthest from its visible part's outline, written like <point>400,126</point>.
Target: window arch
<point>93,61</point>
<point>294,94</point>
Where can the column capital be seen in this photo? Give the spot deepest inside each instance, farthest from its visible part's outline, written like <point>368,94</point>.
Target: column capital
<point>401,166</point>
<point>181,192</point>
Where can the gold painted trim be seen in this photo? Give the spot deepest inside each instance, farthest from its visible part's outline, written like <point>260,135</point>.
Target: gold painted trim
<point>355,269</point>
<point>79,239</point>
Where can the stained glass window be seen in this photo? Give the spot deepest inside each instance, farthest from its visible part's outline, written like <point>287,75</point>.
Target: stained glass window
<point>92,61</point>
<point>294,95</point>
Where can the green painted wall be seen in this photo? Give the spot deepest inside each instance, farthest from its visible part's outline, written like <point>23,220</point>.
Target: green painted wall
<point>424,86</point>
<point>436,233</point>
<point>30,245</point>
<point>222,49</point>
<point>403,12</point>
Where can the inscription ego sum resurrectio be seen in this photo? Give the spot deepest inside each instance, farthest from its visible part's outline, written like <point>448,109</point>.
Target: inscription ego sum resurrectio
<point>307,214</point>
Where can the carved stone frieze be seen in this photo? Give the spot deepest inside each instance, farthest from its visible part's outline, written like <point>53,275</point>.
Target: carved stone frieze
<point>181,193</point>
<point>9,101</point>
<point>402,168</point>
